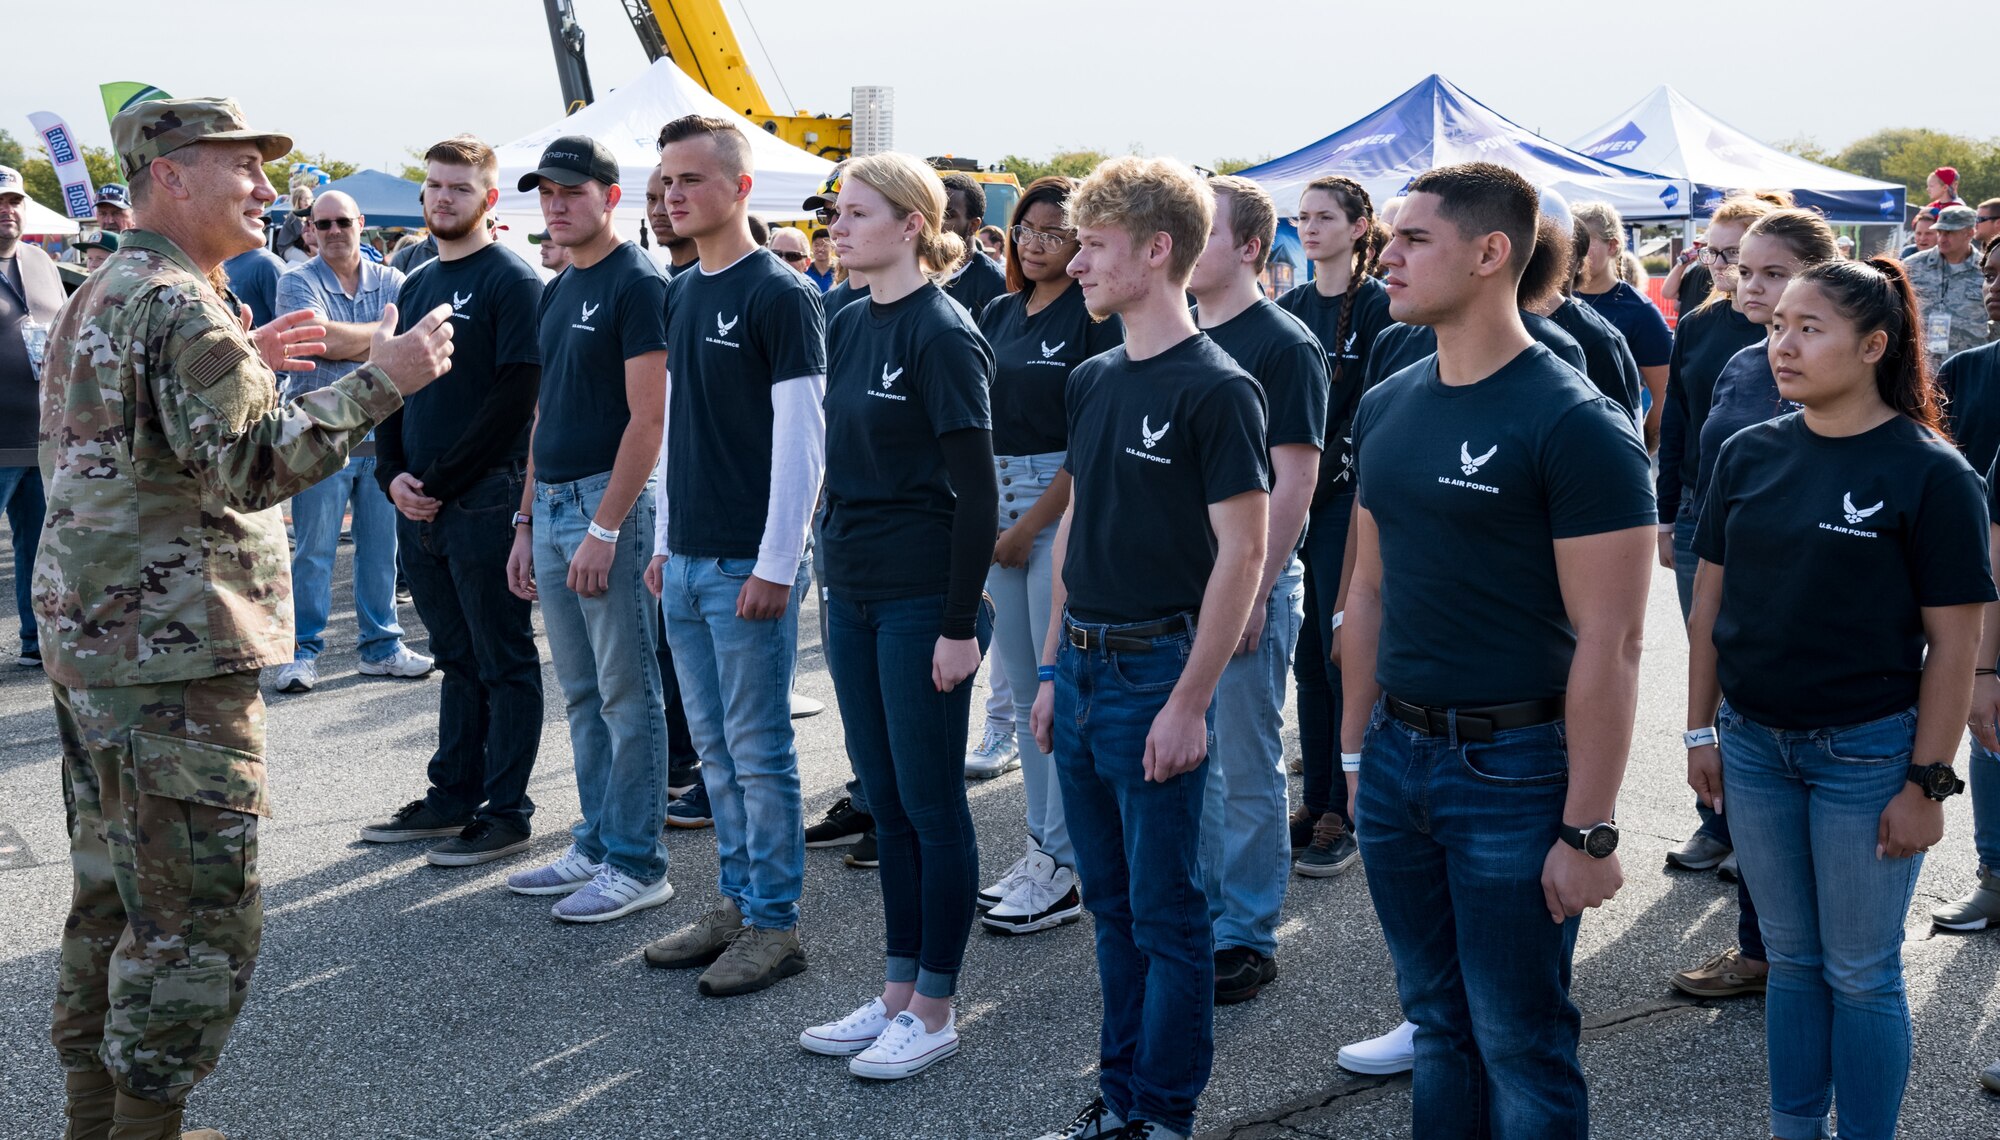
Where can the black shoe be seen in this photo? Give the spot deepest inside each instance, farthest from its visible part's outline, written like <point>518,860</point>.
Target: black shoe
<point>1331,851</point>
<point>863,854</point>
<point>414,820</point>
<point>1241,974</point>
<point>1302,830</point>
<point>842,825</point>
<point>29,658</point>
<point>483,842</point>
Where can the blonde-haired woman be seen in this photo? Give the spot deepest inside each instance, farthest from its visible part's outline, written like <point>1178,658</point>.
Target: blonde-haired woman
<point>908,534</point>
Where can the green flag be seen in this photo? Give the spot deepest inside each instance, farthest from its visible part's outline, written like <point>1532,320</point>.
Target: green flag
<point>118,96</point>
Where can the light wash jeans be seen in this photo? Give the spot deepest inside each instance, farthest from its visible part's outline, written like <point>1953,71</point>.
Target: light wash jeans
<point>1246,846</point>
<point>316,514</point>
<point>1021,597</point>
<point>736,685</point>
<point>603,652</point>
<point>1805,809</point>
<point>1985,780</point>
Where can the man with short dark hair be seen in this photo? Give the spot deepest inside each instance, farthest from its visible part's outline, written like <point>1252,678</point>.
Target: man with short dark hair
<point>680,251</point>
<point>821,269</point>
<point>978,278</point>
<point>31,292</point>
<point>114,208</point>
<point>553,256</point>
<point>1986,223</point>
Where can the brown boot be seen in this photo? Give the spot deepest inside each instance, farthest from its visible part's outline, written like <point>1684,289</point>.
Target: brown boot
<point>135,1118</point>
<point>89,1096</point>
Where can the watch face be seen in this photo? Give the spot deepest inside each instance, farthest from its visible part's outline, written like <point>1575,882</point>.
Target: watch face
<point>1939,781</point>
<point>1599,842</point>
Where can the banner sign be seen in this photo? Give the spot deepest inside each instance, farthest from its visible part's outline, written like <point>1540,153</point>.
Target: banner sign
<point>67,157</point>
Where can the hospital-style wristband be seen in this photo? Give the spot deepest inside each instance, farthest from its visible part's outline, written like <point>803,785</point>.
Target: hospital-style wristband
<point>602,535</point>
<point>1339,617</point>
<point>1045,673</point>
<point>1698,737</point>
<point>1350,761</point>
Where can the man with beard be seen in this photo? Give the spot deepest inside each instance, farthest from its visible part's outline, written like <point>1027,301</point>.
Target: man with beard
<point>679,250</point>
<point>453,462</point>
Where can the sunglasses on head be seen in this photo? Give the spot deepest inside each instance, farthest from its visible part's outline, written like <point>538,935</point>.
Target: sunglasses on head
<point>325,224</point>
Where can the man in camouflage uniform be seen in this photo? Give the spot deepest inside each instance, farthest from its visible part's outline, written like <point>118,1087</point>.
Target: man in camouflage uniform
<point>1948,285</point>
<point>162,585</point>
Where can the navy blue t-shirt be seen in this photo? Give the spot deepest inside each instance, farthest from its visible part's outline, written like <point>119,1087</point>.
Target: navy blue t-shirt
<point>1704,341</point>
<point>1745,393</point>
<point>841,295</point>
<point>1470,487</point>
<point>1830,550</point>
<point>1646,331</point>
<point>592,321</point>
<point>1151,444</point>
<point>1033,355</point>
<point>1346,366</point>
<point>898,376</point>
<point>1970,381</point>
<point>1286,360</point>
<point>493,295</point>
<point>978,284</point>
<point>1401,345</point>
<point>732,336</point>
<point>1607,359</point>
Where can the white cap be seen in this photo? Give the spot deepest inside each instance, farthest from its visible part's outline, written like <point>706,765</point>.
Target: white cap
<point>11,182</point>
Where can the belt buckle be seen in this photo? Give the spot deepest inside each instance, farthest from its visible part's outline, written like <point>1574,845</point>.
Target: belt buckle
<point>1079,636</point>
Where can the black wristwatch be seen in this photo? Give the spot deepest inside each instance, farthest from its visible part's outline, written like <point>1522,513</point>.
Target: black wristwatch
<point>1938,781</point>
<point>1598,840</point>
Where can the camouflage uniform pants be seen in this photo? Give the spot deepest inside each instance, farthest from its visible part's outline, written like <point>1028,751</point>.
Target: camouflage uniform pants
<point>165,784</point>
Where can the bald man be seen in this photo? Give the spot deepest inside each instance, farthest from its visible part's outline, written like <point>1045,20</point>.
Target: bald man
<point>347,292</point>
<point>790,246</point>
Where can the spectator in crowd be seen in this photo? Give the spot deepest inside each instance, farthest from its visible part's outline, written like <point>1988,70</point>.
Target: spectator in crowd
<point>760,231</point>
<point>821,269</point>
<point>114,208</point>
<point>348,293</point>
<point>294,240</point>
<point>993,240</point>
<point>31,292</point>
<point>977,279</point>
<point>97,248</point>
<point>554,256</point>
<point>1689,282</point>
<point>1607,358</point>
<point>1942,186</point>
<point>790,246</point>
<point>253,277</point>
<point>1986,223</point>
<point>1949,287</point>
<point>679,251</point>
<point>1922,235</point>
<point>1845,244</point>
<point>1627,308</point>
<point>413,250</point>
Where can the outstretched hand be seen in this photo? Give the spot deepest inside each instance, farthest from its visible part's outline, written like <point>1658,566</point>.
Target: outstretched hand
<point>287,343</point>
<point>417,357</point>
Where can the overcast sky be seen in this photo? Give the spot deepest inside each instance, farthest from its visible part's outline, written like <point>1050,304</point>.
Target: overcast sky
<point>365,80</point>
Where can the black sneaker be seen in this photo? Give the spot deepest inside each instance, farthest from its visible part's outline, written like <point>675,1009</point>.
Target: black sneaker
<point>29,658</point>
<point>414,820</point>
<point>1302,830</point>
<point>1094,1122</point>
<point>862,854</point>
<point>842,825</point>
<point>483,842</point>
<point>1331,851</point>
<point>1241,974</point>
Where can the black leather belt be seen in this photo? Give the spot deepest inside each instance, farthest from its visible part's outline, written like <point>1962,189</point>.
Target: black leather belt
<point>1475,723</point>
<point>1127,638</point>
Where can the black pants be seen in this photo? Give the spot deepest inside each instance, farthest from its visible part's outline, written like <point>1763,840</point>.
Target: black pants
<point>1325,788</point>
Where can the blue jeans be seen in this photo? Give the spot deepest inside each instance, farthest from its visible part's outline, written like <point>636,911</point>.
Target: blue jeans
<point>1021,598</point>
<point>490,705</point>
<point>901,735</point>
<point>21,492</point>
<point>1322,785</point>
<point>1137,848</point>
<point>1806,808</point>
<point>1453,835</point>
<point>603,652</point>
<point>1246,847</point>
<point>316,514</point>
<point>1984,776</point>
<point>736,685</point>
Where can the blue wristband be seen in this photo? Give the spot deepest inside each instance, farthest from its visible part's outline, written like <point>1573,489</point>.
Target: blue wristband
<point>1045,673</point>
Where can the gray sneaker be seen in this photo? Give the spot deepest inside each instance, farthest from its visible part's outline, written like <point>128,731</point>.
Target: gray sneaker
<point>1976,911</point>
<point>699,944</point>
<point>755,959</point>
<point>1702,852</point>
<point>1990,1077</point>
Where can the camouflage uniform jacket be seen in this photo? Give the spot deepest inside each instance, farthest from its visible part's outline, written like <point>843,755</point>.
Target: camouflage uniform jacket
<point>165,454</point>
<point>1942,287</point>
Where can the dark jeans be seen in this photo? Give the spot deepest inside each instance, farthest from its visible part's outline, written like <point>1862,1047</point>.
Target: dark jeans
<point>1137,847</point>
<point>907,742</point>
<point>683,762</point>
<point>1318,678</point>
<point>21,492</point>
<point>490,705</point>
<point>1453,835</point>
<point>1685,560</point>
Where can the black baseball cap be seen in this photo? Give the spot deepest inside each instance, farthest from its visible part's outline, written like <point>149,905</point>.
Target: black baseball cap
<point>572,161</point>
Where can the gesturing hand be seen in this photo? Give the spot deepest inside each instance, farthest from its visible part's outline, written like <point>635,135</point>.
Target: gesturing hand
<point>285,344</point>
<point>417,357</point>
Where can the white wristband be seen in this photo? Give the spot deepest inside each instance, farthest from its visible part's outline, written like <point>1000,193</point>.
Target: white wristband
<point>1338,617</point>
<point>1698,737</point>
<point>1350,761</point>
<point>602,535</point>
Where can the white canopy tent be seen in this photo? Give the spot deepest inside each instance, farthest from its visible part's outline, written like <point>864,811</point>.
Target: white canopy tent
<point>42,221</point>
<point>628,121</point>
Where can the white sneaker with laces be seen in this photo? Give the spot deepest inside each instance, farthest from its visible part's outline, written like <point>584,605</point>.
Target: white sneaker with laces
<point>1393,1052</point>
<point>850,1035</point>
<point>568,873</point>
<point>612,894</point>
<point>906,1048</point>
<point>996,754</point>
<point>298,677</point>
<point>1043,898</point>
<point>997,893</point>
<point>405,662</point>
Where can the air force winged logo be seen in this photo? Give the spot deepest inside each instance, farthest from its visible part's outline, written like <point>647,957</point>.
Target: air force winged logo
<point>1048,352</point>
<point>589,310</point>
<point>1467,463</point>
<point>722,327</point>
<point>1856,515</point>
<point>1150,437</point>
<point>888,377</point>
<point>458,302</point>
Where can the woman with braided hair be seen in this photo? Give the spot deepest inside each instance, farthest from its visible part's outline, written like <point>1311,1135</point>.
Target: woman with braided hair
<point>1344,306</point>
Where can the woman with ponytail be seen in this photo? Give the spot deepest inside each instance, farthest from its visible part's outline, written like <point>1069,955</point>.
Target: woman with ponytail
<point>1836,620</point>
<point>1344,306</point>
<point>908,531</point>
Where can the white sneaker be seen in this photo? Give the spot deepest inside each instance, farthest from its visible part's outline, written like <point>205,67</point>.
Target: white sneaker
<point>849,1035</point>
<point>1393,1052</point>
<point>906,1048</point>
<point>1043,898</point>
<point>566,874</point>
<point>612,894</point>
<point>298,677</point>
<point>997,893</point>
<point>403,663</point>
<point>994,755</point>
<point>804,706</point>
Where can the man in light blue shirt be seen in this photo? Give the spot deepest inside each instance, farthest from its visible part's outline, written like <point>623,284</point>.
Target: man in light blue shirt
<point>350,294</point>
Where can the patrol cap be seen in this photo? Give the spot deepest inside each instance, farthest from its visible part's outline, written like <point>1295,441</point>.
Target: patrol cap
<point>11,182</point>
<point>573,160</point>
<point>1955,218</point>
<point>103,239</point>
<point>114,194</point>
<point>158,127</point>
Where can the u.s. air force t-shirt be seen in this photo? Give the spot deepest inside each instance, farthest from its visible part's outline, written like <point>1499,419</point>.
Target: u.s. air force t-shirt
<point>732,336</point>
<point>1033,355</point>
<point>1470,486</point>
<point>592,321</point>
<point>899,376</point>
<point>1286,360</point>
<point>1830,548</point>
<point>1401,345</point>
<point>1151,444</point>
<point>493,295</point>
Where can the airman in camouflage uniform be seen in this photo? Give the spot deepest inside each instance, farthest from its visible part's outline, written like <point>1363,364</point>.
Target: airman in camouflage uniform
<point>1956,290</point>
<point>163,585</point>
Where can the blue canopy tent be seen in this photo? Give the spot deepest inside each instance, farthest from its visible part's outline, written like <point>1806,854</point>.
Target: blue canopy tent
<point>1666,134</point>
<point>388,202</point>
<point>1435,124</point>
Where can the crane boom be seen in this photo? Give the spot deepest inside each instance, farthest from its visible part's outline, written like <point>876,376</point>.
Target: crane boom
<point>696,35</point>
<point>572,71</point>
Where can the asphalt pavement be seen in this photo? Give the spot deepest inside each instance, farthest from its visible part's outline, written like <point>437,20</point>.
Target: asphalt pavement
<point>399,1000</point>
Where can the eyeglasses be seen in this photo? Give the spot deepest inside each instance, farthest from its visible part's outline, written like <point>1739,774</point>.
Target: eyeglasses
<point>1041,239</point>
<point>794,256</point>
<point>1712,256</point>
<point>325,224</point>
<point>1986,217</point>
